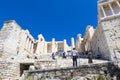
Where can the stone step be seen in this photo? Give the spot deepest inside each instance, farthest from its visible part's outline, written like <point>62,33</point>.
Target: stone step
<point>1,47</point>
<point>5,56</point>
<point>7,28</point>
<point>4,32</point>
<point>4,35</point>
<point>3,38</point>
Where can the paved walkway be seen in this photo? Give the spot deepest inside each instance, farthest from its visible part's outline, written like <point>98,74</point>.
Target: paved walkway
<point>63,63</point>
<point>60,63</point>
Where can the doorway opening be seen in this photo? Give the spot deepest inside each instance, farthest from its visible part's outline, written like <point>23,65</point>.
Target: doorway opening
<point>24,66</point>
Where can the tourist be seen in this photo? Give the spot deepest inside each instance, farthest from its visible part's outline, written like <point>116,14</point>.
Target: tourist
<point>74,57</point>
<point>61,52</point>
<point>105,70</point>
<point>64,55</point>
<point>90,57</point>
<point>35,56</point>
<point>53,55</point>
<point>101,76</point>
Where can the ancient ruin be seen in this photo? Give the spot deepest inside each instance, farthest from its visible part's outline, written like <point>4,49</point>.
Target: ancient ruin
<point>104,40</point>
<point>18,49</point>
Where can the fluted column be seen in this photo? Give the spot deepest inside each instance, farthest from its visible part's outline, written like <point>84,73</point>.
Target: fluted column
<point>45,47</point>
<point>65,47</point>
<point>31,49</point>
<point>118,3</point>
<point>104,14</point>
<point>72,43</point>
<point>111,9</point>
<point>29,46</point>
<point>53,44</point>
<point>27,43</point>
<point>78,42</point>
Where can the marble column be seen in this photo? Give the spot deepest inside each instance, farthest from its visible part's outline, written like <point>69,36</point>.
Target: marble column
<point>25,40</point>
<point>53,44</point>
<point>27,43</point>
<point>72,43</point>
<point>78,42</point>
<point>31,49</point>
<point>111,9</point>
<point>65,47</point>
<point>45,47</point>
<point>29,46</point>
<point>104,14</point>
<point>118,3</point>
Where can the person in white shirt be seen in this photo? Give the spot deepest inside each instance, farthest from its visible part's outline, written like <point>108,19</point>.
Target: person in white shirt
<point>74,57</point>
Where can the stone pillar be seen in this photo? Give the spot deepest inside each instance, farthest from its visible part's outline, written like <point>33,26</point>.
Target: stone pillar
<point>31,49</point>
<point>45,47</point>
<point>104,14</point>
<point>111,9</point>
<point>30,46</point>
<point>118,3</point>
<point>78,42</point>
<point>53,44</point>
<point>72,43</point>
<point>25,40</point>
<point>65,47</point>
<point>27,43</point>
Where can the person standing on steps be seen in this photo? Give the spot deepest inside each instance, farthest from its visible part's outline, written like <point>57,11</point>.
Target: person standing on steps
<point>74,57</point>
<point>64,55</point>
<point>53,55</point>
<point>90,57</point>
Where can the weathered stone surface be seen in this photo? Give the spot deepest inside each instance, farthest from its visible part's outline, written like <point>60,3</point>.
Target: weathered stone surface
<point>9,70</point>
<point>19,50</point>
<point>83,72</point>
<point>17,46</point>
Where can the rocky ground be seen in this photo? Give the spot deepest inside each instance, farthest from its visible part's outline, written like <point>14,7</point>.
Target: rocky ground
<point>61,69</point>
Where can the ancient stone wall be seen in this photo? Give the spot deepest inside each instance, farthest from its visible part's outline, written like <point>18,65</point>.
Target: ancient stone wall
<point>105,41</point>
<point>12,50</point>
<point>9,32</point>
<point>99,43</point>
<point>90,72</point>
<point>112,33</point>
<point>87,38</point>
<point>26,43</point>
<point>9,70</point>
<point>44,47</point>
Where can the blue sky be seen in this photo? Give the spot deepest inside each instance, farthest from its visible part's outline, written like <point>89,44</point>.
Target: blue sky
<point>59,19</point>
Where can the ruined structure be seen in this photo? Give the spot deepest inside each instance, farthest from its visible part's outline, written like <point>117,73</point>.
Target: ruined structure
<point>104,40</point>
<point>86,44</point>
<point>18,47</point>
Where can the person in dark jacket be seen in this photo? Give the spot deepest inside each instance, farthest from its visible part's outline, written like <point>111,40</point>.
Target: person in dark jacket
<point>64,55</point>
<point>90,57</point>
<point>53,56</point>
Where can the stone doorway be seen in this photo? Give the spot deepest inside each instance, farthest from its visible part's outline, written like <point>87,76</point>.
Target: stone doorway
<point>24,66</point>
